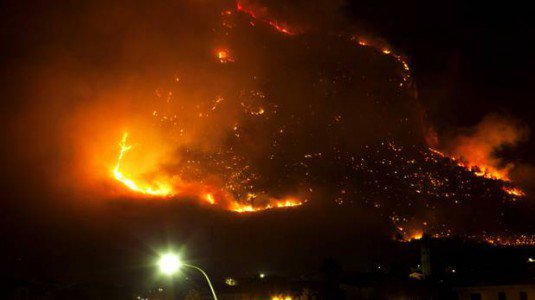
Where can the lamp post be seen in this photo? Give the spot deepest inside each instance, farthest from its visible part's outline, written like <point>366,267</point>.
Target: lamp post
<point>170,264</point>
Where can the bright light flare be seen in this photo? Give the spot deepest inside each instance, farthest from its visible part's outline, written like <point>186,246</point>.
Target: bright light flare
<point>169,263</point>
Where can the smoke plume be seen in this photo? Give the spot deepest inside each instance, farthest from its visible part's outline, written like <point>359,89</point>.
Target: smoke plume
<point>481,147</point>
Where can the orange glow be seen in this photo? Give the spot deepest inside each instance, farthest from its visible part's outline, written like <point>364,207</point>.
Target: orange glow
<point>174,188</point>
<point>486,172</point>
<point>381,47</point>
<point>260,13</point>
<point>475,149</point>
<point>158,189</point>
<point>510,240</point>
<point>416,236</point>
<point>224,56</point>
<point>273,203</point>
<point>514,191</point>
<point>209,198</point>
<point>281,297</point>
<point>410,235</point>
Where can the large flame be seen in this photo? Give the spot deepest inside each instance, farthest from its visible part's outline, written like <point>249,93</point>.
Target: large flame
<point>167,188</point>
<point>158,189</point>
<point>486,171</point>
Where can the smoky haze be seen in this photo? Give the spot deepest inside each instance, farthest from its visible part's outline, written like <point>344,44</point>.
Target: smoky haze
<point>93,71</point>
<point>312,115</point>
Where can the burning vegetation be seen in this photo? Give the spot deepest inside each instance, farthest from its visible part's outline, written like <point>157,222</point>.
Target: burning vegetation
<point>243,112</point>
<point>261,13</point>
<point>168,187</point>
<point>274,153</point>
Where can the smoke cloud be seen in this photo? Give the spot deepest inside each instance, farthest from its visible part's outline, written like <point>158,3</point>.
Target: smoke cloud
<point>482,146</point>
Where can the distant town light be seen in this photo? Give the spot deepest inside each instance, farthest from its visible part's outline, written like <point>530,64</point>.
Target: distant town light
<point>231,282</point>
<point>531,260</point>
<point>279,297</point>
<point>262,275</point>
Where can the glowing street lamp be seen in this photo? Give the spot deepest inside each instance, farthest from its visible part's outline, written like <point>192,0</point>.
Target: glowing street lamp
<point>170,264</point>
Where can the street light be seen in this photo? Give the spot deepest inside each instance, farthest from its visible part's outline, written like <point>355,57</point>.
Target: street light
<point>170,264</point>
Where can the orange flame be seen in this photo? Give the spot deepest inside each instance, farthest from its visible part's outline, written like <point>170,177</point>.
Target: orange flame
<point>514,191</point>
<point>410,234</point>
<point>273,203</point>
<point>248,8</point>
<point>384,49</point>
<point>281,297</point>
<point>159,188</point>
<point>486,172</point>
<point>224,56</point>
<point>167,189</point>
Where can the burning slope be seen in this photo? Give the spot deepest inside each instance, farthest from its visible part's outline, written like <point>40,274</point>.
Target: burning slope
<point>477,149</point>
<point>261,13</point>
<point>169,187</point>
<point>155,189</point>
<point>268,122</point>
<point>386,50</point>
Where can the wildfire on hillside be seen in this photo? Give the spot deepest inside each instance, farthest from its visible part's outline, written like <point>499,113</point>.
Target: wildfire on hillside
<point>249,126</point>
<point>261,14</point>
<point>166,187</point>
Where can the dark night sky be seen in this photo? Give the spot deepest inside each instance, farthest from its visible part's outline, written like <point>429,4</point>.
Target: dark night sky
<point>468,60</point>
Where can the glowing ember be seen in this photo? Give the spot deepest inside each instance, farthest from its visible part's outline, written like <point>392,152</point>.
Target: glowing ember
<point>261,15</point>
<point>410,235</point>
<point>416,236</point>
<point>362,42</point>
<point>508,240</point>
<point>224,56</point>
<point>379,46</point>
<point>273,203</point>
<point>514,191</point>
<point>209,198</point>
<point>281,297</point>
